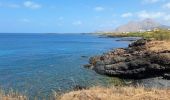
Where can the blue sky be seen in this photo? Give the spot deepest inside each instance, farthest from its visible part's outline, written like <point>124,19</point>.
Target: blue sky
<point>75,16</point>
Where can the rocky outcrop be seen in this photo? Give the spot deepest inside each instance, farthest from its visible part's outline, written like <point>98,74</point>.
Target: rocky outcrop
<point>135,62</point>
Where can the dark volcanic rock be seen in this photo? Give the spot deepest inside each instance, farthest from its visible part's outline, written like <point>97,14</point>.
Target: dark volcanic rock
<point>130,39</point>
<point>89,66</point>
<point>138,63</point>
<point>157,82</point>
<point>166,76</point>
<point>93,60</point>
<point>78,87</point>
<point>161,58</point>
<point>140,42</point>
<point>84,56</point>
<point>134,62</point>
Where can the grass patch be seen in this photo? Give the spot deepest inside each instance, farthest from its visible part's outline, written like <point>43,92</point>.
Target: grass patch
<point>11,95</point>
<point>157,35</point>
<point>101,93</point>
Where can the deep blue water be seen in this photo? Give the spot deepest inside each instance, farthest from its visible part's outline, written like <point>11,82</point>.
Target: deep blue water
<point>36,64</point>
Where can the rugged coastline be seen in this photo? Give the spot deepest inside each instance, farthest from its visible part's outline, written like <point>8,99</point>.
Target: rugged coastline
<point>144,58</point>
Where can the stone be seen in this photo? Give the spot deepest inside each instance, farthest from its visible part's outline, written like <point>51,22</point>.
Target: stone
<point>89,66</point>
<point>78,87</point>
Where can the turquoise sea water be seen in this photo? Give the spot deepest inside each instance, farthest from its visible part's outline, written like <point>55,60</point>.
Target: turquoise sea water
<point>36,64</point>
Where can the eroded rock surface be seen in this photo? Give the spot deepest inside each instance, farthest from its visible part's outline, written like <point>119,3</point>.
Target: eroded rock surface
<point>142,59</point>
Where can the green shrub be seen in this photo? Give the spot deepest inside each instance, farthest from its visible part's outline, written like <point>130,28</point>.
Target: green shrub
<point>158,35</point>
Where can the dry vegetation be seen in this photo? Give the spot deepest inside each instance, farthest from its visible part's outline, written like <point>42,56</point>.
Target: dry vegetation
<point>158,46</point>
<point>118,93</point>
<point>11,95</point>
<point>103,93</point>
<point>12,98</point>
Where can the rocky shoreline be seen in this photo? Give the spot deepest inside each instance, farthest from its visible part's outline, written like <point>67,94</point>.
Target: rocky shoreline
<point>141,60</point>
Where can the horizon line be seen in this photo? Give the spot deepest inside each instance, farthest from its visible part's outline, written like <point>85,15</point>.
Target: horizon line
<point>45,33</point>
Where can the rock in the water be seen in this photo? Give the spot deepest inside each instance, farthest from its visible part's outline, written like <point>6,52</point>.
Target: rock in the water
<point>84,56</point>
<point>89,66</point>
<point>78,87</point>
<point>157,82</point>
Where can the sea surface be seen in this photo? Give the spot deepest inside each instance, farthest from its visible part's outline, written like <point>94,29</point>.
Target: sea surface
<point>37,64</point>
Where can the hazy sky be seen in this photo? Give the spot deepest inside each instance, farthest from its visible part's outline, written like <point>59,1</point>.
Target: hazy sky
<point>63,16</point>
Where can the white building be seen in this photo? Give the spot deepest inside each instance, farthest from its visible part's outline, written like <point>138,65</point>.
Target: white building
<point>141,30</point>
<point>149,30</point>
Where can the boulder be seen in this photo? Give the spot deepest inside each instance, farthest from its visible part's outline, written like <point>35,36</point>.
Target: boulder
<point>89,66</point>
<point>139,42</point>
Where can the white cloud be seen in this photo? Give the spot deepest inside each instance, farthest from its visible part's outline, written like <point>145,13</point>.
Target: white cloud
<point>13,6</point>
<point>32,5</point>
<point>144,14</point>
<point>25,20</point>
<point>27,4</point>
<point>167,18</point>
<point>125,15</point>
<point>166,6</point>
<point>61,18</point>
<point>150,1</point>
<point>60,21</point>
<point>9,5</point>
<point>161,16</point>
<point>99,8</point>
<point>77,23</point>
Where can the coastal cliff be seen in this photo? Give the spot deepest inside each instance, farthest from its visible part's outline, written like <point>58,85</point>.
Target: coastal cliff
<point>142,59</point>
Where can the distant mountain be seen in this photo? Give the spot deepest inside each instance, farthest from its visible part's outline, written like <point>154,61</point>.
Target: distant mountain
<point>136,26</point>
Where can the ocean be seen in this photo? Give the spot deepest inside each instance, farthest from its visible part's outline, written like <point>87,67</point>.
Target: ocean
<point>37,64</point>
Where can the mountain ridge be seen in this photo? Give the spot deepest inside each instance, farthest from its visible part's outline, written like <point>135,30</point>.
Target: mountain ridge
<point>144,25</point>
